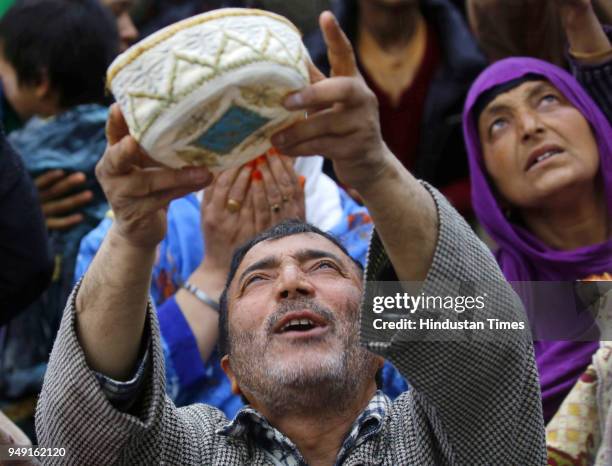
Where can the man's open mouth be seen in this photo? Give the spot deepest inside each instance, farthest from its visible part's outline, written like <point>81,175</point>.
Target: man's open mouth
<point>303,323</point>
<point>298,325</point>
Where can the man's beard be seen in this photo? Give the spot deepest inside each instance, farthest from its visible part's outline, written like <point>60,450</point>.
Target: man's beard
<point>329,382</point>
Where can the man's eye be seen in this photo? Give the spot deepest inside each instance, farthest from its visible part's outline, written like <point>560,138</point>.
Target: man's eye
<point>252,279</point>
<point>325,265</point>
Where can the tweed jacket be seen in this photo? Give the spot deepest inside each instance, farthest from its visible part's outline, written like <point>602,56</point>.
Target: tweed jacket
<point>473,402</point>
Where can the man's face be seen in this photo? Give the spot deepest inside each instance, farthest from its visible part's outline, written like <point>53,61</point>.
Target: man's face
<point>536,144</point>
<point>293,322</point>
<point>125,26</point>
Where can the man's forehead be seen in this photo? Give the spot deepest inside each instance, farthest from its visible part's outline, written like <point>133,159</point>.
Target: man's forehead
<point>290,246</point>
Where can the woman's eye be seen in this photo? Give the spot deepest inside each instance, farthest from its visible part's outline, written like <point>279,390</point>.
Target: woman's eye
<point>548,99</point>
<point>497,125</point>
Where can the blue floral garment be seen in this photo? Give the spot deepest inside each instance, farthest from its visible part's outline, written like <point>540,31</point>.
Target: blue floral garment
<point>188,379</point>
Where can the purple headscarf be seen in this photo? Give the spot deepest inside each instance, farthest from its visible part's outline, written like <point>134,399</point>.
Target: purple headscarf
<point>522,256</point>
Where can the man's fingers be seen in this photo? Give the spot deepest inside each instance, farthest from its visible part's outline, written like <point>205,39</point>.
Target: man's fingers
<point>122,157</point>
<point>321,124</point>
<point>116,127</point>
<point>339,49</point>
<point>320,145</point>
<point>62,223</point>
<point>62,186</point>
<point>65,205</point>
<point>151,181</point>
<point>314,73</point>
<point>325,94</point>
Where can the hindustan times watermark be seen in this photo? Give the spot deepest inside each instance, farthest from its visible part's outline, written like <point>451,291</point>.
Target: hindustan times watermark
<point>545,311</point>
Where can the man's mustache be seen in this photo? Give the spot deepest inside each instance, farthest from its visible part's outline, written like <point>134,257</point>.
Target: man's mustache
<point>299,304</point>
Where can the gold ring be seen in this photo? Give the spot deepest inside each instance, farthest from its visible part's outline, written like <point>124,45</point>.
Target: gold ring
<point>275,208</point>
<point>285,199</point>
<point>233,205</point>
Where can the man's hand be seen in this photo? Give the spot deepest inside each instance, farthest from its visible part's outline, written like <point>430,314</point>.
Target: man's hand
<point>138,188</point>
<point>112,301</point>
<point>343,122</point>
<point>53,188</point>
<point>343,125</point>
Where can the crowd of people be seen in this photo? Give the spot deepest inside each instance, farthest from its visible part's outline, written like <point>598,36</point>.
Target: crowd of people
<point>144,312</point>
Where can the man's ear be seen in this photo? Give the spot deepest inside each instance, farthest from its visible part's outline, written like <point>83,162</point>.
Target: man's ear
<point>227,368</point>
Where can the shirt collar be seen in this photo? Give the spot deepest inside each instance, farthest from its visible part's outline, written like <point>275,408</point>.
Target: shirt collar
<point>249,424</point>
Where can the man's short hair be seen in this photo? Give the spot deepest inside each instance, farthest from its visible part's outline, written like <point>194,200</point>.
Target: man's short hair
<point>71,41</point>
<point>286,228</point>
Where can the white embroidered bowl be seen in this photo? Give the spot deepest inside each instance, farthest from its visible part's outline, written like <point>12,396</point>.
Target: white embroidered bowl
<point>208,90</point>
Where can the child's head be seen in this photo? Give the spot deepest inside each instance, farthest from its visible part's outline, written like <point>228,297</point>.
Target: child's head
<point>54,54</point>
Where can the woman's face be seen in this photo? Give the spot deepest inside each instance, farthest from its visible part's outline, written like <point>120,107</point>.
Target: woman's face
<point>536,144</point>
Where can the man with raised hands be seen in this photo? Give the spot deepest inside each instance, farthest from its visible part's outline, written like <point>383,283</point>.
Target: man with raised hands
<point>290,323</point>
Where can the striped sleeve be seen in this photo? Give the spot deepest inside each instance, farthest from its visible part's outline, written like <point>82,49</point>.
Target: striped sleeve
<point>597,80</point>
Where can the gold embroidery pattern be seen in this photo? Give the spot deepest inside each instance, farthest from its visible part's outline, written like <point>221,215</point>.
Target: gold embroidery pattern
<point>146,106</point>
<point>198,156</point>
<point>262,96</point>
<point>169,31</point>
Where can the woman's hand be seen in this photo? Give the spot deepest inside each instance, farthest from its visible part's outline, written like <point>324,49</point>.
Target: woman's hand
<point>246,201</point>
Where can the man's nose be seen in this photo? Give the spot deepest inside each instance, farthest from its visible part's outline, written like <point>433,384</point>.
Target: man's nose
<point>293,283</point>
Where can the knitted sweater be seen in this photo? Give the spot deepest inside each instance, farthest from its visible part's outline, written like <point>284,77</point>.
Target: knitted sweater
<point>473,402</point>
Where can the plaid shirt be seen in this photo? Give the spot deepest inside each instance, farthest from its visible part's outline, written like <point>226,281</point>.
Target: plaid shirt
<point>250,424</point>
<point>283,452</point>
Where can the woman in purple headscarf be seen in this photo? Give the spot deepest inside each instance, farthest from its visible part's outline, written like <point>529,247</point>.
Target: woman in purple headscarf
<point>540,153</point>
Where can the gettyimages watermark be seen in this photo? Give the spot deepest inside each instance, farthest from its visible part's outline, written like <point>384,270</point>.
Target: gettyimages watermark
<point>453,310</point>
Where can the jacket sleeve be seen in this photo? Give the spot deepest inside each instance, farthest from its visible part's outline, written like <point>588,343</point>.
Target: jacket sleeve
<point>597,80</point>
<point>478,392</point>
<point>74,411</point>
<point>24,252</point>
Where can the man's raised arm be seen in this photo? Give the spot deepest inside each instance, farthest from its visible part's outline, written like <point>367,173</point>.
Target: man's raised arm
<point>461,396</point>
<point>343,125</point>
<point>112,300</point>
